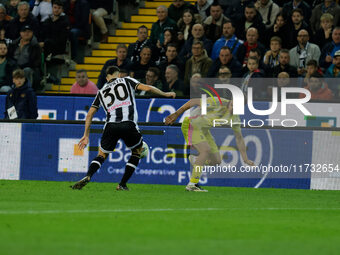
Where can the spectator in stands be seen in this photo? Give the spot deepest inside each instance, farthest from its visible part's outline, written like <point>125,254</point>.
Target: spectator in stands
<point>328,51</point>
<point>324,34</point>
<point>213,24</point>
<point>197,34</point>
<point>303,52</point>
<point>24,18</point>
<point>251,43</point>
<point>83,85</point>
<point>99,9</point>
<point>121,61</point>
<point>228,39</point>
<point>268,11</point>
<point>333,70</point>
<point>123,73</point>
<point>174,83</point>
<point>318,88</point>
<point>170,36</point>
<point>27,53</point>
<point>78,12</point>
<point>185,24</point>
<point>328,6</point>
<point>4,18</point>
<point>312,67</point>
<point>198,63</point>
<point>135,48</point>
<point>297,24</point>
<point>12,9</point>
<point>171,59</point>
<point>271,58</point>
<point>177,8</point>
<point>7,66</point>
<point>289,7</point>
<point>21,101</point>
<point>280,29</point>
<point>163,22</point>
<point>226,59</point>
<point>283,66</point>
<point>234,9</point>
<point>203,8</point>
<point>42,9</point>
<point>283,80</point>
<point>55,31</point>
<point>250,79</point>
<point>255,52</point>
<point>224,73</point>
<point>139,69</point>
<point>151,78</point>
<point>250,19</point>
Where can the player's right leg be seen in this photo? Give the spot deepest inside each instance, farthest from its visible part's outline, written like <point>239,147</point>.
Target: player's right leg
<point>93,168</point>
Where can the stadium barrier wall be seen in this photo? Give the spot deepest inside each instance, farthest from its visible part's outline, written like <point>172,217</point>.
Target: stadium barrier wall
<point>156,109</point>
<point>48,151</point>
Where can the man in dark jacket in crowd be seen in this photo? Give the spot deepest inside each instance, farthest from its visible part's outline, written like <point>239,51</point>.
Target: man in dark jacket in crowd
<point>27,53</point>
<point>21,101</point>
<point>55,31</point>
<point>24,18</point>
<point>7,66</point>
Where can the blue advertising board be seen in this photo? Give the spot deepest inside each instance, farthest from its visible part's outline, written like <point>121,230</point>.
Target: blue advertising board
<point>54,156</point>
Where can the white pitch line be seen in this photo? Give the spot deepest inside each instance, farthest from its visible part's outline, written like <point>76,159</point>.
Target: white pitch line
<point>162,210</point>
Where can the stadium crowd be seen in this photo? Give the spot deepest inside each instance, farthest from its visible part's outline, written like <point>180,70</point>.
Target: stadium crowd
<point>247,39</point>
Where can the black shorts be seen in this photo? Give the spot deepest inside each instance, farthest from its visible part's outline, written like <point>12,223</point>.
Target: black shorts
<point>127,131</point>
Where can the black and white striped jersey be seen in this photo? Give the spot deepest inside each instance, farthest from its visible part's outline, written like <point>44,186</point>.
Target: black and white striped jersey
<point>117,97</point>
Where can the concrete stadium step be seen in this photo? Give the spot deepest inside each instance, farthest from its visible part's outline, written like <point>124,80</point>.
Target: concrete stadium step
<point>69,81</point>
<point>92,67</point>
<point>128,32</point>
<point>62,88</point>
<point>144,18</point>
<point>104,53</point>
<point>110,46</point>
<point>122,39</point>
<point>149,11</point>
<point>136,25</point>
<point>156,4</point>
<point>56,91</point>
<point>90,74</point>
<point>96,60</point>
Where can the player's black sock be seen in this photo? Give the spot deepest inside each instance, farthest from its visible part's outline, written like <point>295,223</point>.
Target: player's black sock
<point>130,168</point>
<point>95,165</point>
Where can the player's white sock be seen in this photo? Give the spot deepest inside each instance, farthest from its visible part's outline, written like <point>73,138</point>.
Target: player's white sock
<point>191,183</point>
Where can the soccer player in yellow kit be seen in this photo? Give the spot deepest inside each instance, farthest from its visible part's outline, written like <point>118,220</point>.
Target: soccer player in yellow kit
<point>196,131</point>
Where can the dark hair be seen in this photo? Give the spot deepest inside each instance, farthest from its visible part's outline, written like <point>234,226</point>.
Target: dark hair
<point>58,2</point>
<point>142,26</point>
<point>18,73</point>
<point>123,71</point>
<point>312,62</point>
<point>284,51</point>
<point>251,5</point>
<point>298,10</point>
<point>226,48</point>
<point>154,70</point>
<point>257,50</point>
<point>229,21</point>
<point>171,45</point>
<point>111,70</point>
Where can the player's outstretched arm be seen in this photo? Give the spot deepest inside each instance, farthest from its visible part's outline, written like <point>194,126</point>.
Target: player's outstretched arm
<point>85,139</point>
<point>155,90</point>
<point>173,117</point>
<point>242,148</point>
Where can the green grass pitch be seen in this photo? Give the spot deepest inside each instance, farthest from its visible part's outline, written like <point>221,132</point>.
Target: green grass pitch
<point>39,217</point>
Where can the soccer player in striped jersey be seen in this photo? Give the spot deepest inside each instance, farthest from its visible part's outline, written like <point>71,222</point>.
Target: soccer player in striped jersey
<point>117,97</point>
<point>196,132</point>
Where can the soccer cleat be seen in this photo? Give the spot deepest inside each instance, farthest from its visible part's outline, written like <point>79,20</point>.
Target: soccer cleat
<point>80,184</point>
<point>120,187</point>
<point>195,188</point>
